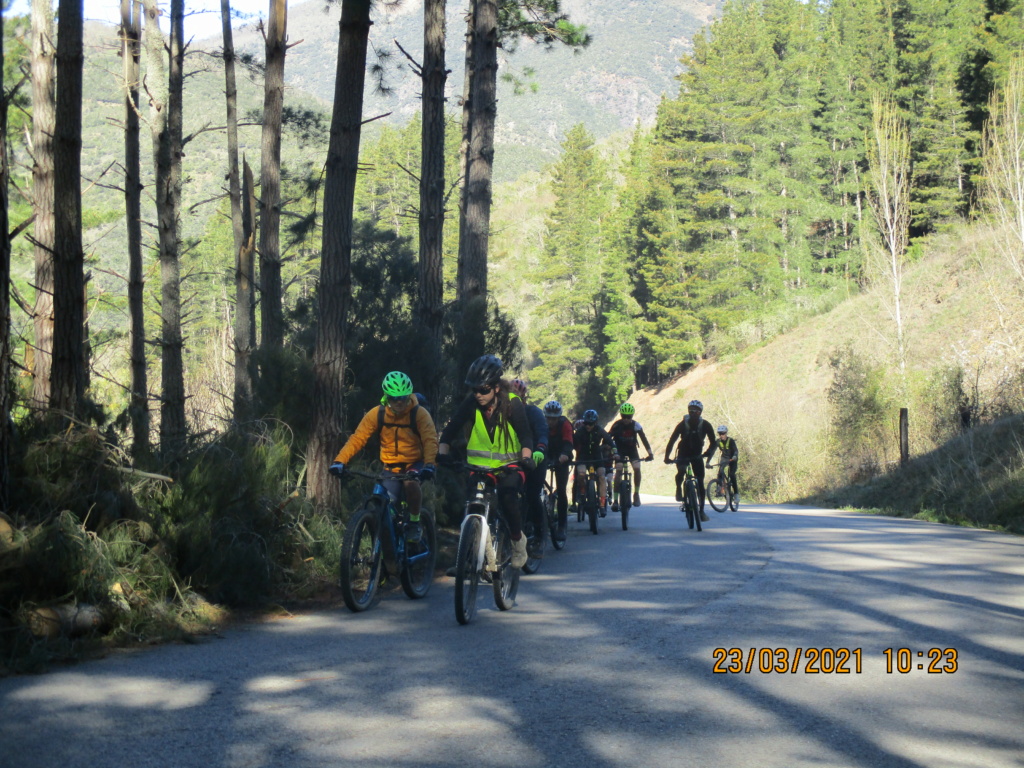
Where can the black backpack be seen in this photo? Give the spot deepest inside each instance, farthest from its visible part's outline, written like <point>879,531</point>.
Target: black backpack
<point>411,425</point>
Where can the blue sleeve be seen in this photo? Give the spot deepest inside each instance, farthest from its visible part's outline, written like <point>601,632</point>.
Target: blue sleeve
<point>539,427</point>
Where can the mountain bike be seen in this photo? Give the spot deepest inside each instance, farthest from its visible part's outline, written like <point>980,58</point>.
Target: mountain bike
<point>720,494</point>
<point>374,545</point>
<point>589,506</point>
<point>485,546</point>
<point>690,506</point>
<point>549,502</point>
<point>625,490</point>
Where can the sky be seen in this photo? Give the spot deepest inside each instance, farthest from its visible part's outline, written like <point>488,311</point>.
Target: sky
<point>202,18</point>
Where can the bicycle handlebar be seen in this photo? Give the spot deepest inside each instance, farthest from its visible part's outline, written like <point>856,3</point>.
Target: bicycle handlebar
<point>382,475</point>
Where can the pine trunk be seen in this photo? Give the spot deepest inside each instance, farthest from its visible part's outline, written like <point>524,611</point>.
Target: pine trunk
<point>336,256</point>
<point>479,167</point>
<point>431,220</point>
<point>245,300</point>
<point>172,401</point>
<point>270,179</point>
<point>131,30</point>
<point>5,296</point>
<point>244,295</point>
<point>43,119</point>
<point>68,377</point>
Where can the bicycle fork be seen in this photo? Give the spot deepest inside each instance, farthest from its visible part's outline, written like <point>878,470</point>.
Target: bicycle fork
<point>486,552</point>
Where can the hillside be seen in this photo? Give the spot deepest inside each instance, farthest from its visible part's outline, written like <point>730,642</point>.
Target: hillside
<point>609,87</point>
<point>963,308</point>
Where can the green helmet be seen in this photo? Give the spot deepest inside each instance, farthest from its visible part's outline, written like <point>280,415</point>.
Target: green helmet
<point>397,384</point>
<point>626,409</point>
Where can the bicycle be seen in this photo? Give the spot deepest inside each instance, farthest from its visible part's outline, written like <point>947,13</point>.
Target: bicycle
<point>625,489</point>
<point>589,506</point>
<point>690,506</point>
<point>485,547</point>
<point>549,503</point>
<point>374,545</point>
<point>720,494</point>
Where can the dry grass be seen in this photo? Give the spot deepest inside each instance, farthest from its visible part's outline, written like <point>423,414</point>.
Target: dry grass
<point>962,309</point>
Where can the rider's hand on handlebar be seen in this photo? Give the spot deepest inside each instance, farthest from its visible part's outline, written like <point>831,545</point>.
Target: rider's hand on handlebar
<point>337,469</point>
<point>528,463</point>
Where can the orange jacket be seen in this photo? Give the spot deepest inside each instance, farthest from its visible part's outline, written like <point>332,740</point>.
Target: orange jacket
<point>399,444</point>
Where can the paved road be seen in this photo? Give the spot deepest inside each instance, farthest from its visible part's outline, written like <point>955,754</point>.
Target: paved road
<point>606,661</point>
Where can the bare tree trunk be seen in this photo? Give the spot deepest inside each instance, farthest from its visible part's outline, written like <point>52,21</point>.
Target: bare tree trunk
<point>467,128</point>
<point>245,300</point>
<point>431,220</point>
<point>244,294</point>
<point>479,168</point>
<point>889,162</point>
<point>336,255</point>
<point>5,295</point>
<point>43,129</point>
<point>131,30</point>
<point>68,376</point>
<point>167,186</point>
<point>270,179</point>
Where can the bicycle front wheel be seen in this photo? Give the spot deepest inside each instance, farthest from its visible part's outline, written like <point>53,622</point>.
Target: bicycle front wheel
<point>718,496</point>
<point>551,513</point>
<point>691,497</point>
<point>506,578</point>
<point>467,570</point>
<point>417,572</point>
<point>734,503</point>
<point>361,558</point>
<point>625,502</point>
<point>591,502</point>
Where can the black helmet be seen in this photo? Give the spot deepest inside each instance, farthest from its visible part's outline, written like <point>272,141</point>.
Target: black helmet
<point>590,417</point>
<point>485,371</point>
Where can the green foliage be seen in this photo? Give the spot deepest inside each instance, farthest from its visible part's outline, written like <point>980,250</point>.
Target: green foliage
<point>861,412</point>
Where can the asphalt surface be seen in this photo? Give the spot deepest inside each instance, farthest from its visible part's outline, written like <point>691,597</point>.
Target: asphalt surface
<point>607,660</point>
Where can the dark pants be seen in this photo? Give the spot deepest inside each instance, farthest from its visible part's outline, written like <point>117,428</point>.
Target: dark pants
<point>509,488</point>
<point>561,492</point>
<point>698,472</point>
<point>732,477</point>
<point>534,482</point>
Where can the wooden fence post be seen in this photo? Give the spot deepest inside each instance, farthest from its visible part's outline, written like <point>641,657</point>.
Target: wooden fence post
<point>904,438</point>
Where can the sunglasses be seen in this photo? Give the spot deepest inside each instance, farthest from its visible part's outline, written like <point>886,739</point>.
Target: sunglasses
<point>398,400</point>
<point>484,390</point>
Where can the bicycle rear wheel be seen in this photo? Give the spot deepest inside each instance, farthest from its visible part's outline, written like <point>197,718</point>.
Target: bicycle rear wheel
<point>417,572</point>
<point>360,570</point>
<point>691,495</point>
<point>467,570</point>
<point>625,502</point>
<point>591,504</point>
<point>718,495</point>
<point>506,578</point>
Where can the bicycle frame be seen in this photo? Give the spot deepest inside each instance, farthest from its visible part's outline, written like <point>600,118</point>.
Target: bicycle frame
<point>394,513</point>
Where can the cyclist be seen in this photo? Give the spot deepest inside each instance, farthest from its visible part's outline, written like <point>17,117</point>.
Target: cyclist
<point>625,432</point>
<point>535,477</point>
<point>691,432</point>
<point>408,443</point>
<point>498,435</point>
<point>560,451</point>
<point>588,441</point>
<point>730,456</point>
